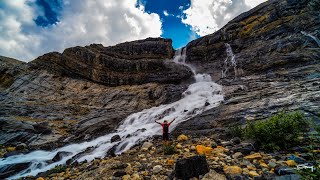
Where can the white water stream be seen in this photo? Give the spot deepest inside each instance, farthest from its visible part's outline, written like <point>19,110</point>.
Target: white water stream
<point>136,127</point>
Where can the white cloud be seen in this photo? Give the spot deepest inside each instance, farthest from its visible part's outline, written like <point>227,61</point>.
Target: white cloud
<point>206,17</point>
<point>81,23</point>
<point>165,13</point>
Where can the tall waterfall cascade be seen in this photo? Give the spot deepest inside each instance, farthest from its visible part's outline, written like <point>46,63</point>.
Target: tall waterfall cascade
<point>200,96</point>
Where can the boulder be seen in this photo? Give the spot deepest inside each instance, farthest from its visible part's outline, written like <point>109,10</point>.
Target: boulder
<point>253,156</point>
<point>115,138</point>
<point>212,175</point>
<point>283,170</point>
<point>203,149</point>
<point>146,145</point>
<point>191,167</point>
<point>232,170</point>
<point>236,140</point>
<point>60,155</point>
<point>119,173</point>
<point>182,137</point>
<point>156,169</point>
<point>21,146</point>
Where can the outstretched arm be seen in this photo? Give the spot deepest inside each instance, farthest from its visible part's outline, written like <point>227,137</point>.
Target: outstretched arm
<point>157,122</point>
<point>173,120</point>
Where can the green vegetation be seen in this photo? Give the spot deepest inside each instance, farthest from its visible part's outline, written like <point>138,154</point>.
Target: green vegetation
<point>169,149</point>
<point>313,141</point>
<point>57,169</point>
<point>278,132</point>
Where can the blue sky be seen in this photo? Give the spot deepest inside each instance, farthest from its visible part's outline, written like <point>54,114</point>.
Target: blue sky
<point>170,12</point>
<point>30,28</point>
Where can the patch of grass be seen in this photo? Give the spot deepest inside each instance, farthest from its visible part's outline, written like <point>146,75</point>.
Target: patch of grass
<point>169,149</point>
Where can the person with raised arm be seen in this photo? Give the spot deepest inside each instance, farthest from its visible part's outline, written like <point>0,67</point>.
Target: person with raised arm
<point>165,130</point>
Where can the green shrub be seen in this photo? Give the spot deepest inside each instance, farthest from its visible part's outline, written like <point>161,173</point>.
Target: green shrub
<point>278,132</point>
<point>57,169</point>
<point>169,149</point>
<point>236,131</point>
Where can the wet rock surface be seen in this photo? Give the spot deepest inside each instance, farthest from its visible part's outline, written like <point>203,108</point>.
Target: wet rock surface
<point>276,65</point>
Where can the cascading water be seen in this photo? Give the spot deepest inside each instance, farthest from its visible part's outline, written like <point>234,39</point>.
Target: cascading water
<point>135,128</point>
<point>230,61</point>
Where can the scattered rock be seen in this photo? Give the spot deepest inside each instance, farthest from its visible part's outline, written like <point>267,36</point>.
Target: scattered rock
<point>236,140</point>
<point>156,169</point>
<point>21,146</point>
<point>237,155</point>
<point>253,174</point>
<point>253,156</point>
<point>283,170</point>
<point>170,162</point>
<point>119,173</point>
<point>126,177</point>
<point>212,175</point>
<point>179,146</point>
<point>203,149</point>
<point>232,170</point>
<point>182,137</point>
<point>191,167</point>
<point>146,145</point>
<point>291,163</point>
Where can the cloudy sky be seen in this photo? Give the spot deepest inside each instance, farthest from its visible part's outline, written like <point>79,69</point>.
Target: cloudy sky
<point>30,28</point>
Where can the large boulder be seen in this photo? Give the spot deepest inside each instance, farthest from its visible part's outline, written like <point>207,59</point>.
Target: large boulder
<point>191,167</point>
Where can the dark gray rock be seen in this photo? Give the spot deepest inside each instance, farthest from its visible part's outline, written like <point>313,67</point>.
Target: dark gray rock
<point>191,167</point>
<point>115,138</point>
<point>283,170</point>
<point>60,155</point>
<point>119,173</point>
<point>9,170</point>
<point>21,146</point>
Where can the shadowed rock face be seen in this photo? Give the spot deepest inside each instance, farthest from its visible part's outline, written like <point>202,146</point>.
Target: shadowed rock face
<point>136,62</point>
<point>277,66</point>
<point>264,39</point>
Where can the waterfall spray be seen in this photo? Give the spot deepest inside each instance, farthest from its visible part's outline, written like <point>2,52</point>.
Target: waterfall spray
<point>135,128</point>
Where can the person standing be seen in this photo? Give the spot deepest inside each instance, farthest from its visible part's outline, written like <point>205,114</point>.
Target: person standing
<point>165,129</point>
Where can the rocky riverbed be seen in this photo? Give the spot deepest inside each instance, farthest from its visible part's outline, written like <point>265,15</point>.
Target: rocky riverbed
<point>203,158</point>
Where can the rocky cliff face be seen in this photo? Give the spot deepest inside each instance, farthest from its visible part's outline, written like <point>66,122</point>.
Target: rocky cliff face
<point>275,66</point>
<point>136,62</point>
<point>85,91</point>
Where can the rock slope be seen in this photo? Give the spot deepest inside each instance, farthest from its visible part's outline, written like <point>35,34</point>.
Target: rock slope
<point>275,65</point>
<point>85,91</point>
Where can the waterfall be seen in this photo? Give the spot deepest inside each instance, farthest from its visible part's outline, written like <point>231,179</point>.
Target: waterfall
<point>135,128</point>
<point>230,61</point>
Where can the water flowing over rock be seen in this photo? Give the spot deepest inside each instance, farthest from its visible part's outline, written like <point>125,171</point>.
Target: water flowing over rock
<point>276,67</point>
<point>201,95</point>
